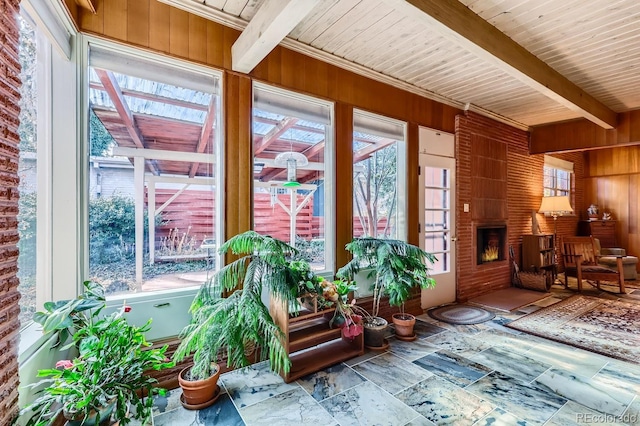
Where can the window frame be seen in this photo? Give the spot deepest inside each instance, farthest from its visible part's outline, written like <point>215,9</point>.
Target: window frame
<point>329,169</point>
<point>120,49</point>
<point>556,165</point>
<point>401,164</point>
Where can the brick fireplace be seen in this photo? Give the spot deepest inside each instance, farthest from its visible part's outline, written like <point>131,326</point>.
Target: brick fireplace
<point>491,243</point>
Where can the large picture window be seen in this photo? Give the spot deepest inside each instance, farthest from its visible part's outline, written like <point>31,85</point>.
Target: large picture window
<point>378,156</point>
<point>292,172</point>
<point>154,132</point>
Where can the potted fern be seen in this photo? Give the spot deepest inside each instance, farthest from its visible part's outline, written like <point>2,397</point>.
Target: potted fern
<point>397,269</point>
<point>232,326</point>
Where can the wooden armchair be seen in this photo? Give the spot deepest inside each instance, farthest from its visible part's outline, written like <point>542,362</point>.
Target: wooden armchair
<point>581,261</point>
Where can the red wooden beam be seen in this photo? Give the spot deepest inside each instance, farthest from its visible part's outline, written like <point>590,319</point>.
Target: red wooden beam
<point>113,90</point>
<point>205,134</point>
<point>155,98</point>
<point>365,153</point>
<point>274,134</point>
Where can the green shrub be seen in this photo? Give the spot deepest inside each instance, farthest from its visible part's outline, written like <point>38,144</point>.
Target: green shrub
<point>112,229</point>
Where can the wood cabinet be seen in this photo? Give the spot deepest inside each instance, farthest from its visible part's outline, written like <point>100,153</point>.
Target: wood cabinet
<point>311,344</point>
<point>603,230</point>
<point>538,252</point>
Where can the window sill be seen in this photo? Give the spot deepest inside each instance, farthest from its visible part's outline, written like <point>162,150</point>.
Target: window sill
<point>31,339</point>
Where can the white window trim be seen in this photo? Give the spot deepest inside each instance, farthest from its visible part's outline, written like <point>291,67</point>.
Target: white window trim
<point>401,163</point>
<point>53,21</point>
<point>85,41</point>
<point>51,64</point>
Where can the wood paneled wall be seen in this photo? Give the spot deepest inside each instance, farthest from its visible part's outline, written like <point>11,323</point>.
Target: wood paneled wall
<point>343,194</point>
<point>161,28</point>
<point>582,134</point>
<point>612,181</point>
<point>238,156</point>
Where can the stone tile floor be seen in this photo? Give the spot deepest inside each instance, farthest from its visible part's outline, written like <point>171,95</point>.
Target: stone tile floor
<point>483,374</point>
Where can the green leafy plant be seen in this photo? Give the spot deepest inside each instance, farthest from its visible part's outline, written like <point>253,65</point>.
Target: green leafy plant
<point>310,285</point>
<point>64,316</point>
<point>347,314</point>
<point>109,370</point>
<point>231,325</point>
<point>398,268</point>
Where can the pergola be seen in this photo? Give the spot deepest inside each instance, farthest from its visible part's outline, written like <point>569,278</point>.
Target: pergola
<point>168,134</point>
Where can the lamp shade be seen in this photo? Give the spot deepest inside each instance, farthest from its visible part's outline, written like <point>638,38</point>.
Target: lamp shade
<point>555,205</point>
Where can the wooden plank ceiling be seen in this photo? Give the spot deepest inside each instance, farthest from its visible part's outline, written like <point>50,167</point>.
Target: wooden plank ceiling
<point>593,47</point>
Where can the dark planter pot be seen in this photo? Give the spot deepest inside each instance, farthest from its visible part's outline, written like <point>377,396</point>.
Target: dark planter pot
<point>90,420</point>
<point>403,324</point>
<point>374,333</point>
<point>198,394</point>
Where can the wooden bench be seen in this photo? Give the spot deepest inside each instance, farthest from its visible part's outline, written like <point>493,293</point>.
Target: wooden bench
<point>580,257</point>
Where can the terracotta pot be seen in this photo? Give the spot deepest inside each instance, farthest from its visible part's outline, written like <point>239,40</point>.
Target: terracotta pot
<point>374,333</point>
<point>198,392</point>
<point>403,324</point>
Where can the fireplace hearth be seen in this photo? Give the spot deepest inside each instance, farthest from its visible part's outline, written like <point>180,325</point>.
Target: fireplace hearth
<point>491,241</point>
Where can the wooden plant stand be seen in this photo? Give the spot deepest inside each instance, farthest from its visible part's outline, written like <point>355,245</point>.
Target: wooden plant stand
<point>311,344</point>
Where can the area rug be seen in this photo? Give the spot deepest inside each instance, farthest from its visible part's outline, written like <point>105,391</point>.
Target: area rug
<point>608,327</point>
<point>461,314</point>
<point>508,299</point>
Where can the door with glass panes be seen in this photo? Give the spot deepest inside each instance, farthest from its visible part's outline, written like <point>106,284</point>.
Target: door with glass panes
<point>437,217</point>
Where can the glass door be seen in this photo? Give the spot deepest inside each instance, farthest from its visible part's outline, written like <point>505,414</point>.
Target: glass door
<point>437,228</point>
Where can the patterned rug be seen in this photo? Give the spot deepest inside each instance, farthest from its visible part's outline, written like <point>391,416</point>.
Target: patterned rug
<point>609,327</point>
<point>461,314</point>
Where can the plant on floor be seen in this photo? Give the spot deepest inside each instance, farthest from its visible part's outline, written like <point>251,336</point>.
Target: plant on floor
<point>397,269</point>
<point>105,379</point>
<point>230,326</point>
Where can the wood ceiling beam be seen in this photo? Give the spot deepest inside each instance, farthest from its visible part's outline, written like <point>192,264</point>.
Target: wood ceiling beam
<point>112,88</point>
<point>269,26</point>
<point>583,135</point>
<point>87,4</point>
<point>274,134</point>
<point>453,20</point>
<point>205,134</point>
<point>297,126</point>
<point>271,174</point>
<point>155,98</point>
<point>314,150</point>
<point>366,152</point>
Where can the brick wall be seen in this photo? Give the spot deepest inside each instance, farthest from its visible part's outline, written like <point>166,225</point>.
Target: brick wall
<point>9,139</point>
<point>502,183</point>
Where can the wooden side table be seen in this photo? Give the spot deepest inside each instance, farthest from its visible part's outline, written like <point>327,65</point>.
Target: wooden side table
<point>603,230</point>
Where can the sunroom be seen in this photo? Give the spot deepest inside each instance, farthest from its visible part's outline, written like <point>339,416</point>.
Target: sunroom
<point>152,131</point>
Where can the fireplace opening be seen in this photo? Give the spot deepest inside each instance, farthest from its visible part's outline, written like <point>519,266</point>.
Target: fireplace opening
<point>490,243</point>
